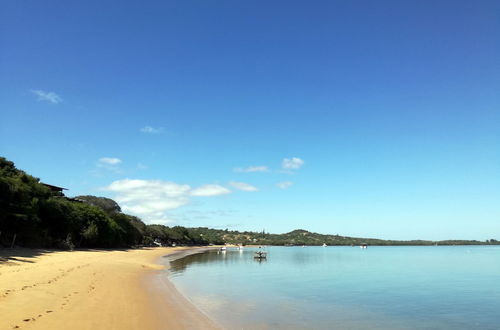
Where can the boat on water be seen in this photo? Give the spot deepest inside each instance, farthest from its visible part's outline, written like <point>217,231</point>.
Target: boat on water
<point>364,245</point>
<point>260,255</point>
<point>324,245</point>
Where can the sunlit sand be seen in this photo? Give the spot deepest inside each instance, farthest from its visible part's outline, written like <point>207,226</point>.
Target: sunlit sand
<point>91,290</point>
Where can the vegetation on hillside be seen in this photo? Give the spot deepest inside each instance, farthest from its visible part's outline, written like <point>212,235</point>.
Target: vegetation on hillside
<point>34,215</point>
<point>304,237</point>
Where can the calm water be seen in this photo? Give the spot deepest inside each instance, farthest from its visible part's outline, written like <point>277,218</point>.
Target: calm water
<point>346,287</point>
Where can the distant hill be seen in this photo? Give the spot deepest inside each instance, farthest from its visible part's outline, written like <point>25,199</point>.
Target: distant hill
<point>304,237</point>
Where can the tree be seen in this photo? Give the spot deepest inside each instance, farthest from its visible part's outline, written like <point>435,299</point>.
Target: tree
<point>106,204</point>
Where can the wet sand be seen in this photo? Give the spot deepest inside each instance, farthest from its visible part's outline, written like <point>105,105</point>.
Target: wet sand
<point>92,289</point>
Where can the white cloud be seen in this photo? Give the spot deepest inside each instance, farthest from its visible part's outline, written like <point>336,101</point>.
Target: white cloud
<point>110,160</point>
<point>284,184</point>
<point>292,163</point>
<point>252,169</point>
<point>242,186</point>
<point>47,96</point>
<point>152,200</point>
<point>152,130</point>
<point>109,164</point>
<point>210,190</point>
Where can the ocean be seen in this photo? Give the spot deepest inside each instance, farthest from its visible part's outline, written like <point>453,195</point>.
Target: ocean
<point>428,287</point>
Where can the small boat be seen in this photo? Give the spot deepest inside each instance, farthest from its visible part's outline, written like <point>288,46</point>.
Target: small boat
<point>260,255</point>
<point>363,245</point>
<point>223,248</point>
<point>324,245</point>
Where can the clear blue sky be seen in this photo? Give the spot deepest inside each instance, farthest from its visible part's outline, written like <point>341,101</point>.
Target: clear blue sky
<point>362,118</point>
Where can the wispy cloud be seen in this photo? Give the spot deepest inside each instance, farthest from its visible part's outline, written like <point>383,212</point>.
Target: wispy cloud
<point>152,130</point>
<point>47,96</point>
<point>293,163</point>
<point>210,190</point>
<point>141,166</point>
<point>188,216</point>
<point>109,164</point>
<point>242,186</point>
<point>251,169</point>
<point>284,184</point>
<point>153,199</point>
<point>109,160</point>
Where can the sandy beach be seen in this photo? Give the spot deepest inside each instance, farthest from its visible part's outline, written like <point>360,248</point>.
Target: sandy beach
<point>98,289</point>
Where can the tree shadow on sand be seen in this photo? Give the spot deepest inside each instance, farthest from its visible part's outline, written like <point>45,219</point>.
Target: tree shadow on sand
<point>20,254</point>
<point>25,254</point>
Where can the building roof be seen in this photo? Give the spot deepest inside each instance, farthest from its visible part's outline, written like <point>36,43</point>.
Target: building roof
<point>54,188</point>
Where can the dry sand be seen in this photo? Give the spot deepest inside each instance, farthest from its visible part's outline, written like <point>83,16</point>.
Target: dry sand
<point>91,290</point>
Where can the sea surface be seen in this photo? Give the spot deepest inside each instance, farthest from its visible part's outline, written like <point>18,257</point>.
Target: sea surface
<point>433,287</point>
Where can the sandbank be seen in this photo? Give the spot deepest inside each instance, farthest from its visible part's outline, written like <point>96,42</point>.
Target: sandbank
<point>92,289</point>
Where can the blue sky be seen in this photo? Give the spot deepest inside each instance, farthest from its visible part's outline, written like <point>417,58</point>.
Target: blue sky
<point>361,118</point>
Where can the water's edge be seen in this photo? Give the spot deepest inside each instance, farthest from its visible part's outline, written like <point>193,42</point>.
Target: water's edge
<point>160,280</point>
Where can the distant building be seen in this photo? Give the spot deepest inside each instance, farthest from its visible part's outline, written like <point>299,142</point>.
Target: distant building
<point>54,188</point>
<point>58,191</point>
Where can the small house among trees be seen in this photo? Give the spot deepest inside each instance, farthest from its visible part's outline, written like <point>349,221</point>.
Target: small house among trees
<point>55,189</point>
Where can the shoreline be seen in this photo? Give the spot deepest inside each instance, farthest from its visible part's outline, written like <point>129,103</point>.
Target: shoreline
<point>158,284</point>
<point>94,289</point>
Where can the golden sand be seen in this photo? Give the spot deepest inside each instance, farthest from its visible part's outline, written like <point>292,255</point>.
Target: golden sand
<point>91,290</point>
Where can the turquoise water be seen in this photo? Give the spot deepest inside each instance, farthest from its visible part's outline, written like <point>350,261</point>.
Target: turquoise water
<point>436,287</point>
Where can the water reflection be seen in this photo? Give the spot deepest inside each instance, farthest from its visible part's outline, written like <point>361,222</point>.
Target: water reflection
<point>229,256</point>
<point>298,256</point>
<point>260,260</point>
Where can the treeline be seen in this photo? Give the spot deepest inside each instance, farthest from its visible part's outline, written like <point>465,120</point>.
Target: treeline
<point>33,214</point>
<point>303,237</point>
